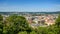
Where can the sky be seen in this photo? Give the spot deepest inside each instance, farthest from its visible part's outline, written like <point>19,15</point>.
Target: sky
<point>29,5</point>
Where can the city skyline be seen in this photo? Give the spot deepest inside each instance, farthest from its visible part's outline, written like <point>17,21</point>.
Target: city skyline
<point>29,5</point>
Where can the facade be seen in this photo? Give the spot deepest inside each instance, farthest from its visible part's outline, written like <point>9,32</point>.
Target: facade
<point>41,20</point>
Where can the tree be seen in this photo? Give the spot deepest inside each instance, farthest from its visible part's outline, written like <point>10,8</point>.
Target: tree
<point>1,17</point>
<point>58,21</point>
<point>42,30</point>
<point>1,23</point>
<point>24,32</point>
<point>14,24</point>
<point>57,25</point>
<point>33,32</point>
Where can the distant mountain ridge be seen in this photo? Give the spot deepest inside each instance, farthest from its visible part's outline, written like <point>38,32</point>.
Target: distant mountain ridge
<point>58,12</point>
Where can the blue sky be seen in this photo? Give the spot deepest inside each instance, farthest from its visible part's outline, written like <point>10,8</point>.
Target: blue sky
<point>29,5</point>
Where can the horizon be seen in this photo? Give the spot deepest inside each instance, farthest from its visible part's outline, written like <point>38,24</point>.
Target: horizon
<point>29,5</point>
<point>28,11</point>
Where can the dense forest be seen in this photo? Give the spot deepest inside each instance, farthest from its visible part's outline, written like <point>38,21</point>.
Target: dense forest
<point>19,25</point>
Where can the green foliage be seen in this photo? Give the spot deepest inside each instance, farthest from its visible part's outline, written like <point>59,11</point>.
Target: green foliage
<point>42,30</point>
<point>14,24</point>
<point>33,32</point>
<point>24,32</point>
<point>1,27</point>
<point>1,23</point>
<point>1,17</point>
<point>58,21</point>
<point>57,25</point>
